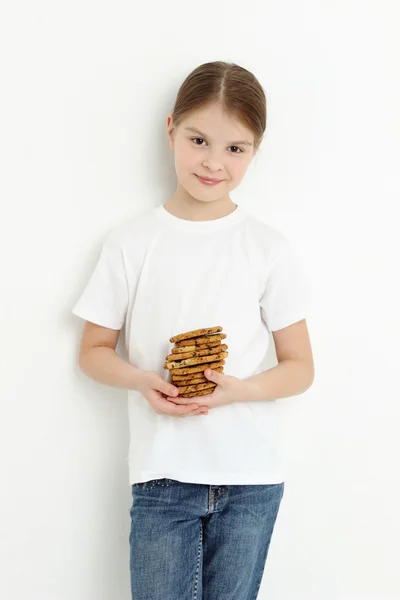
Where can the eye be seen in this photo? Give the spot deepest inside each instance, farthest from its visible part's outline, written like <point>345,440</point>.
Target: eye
<point>197,139</point>
<point>240,149</point>
<point>237,148</point>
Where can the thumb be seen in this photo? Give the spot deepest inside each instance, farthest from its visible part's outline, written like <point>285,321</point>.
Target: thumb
<point>214,376</point>
<point>166,388</point>
<point>170,390</point>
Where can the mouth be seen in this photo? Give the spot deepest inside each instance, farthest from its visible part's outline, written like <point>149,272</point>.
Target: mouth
<point>208,180</point>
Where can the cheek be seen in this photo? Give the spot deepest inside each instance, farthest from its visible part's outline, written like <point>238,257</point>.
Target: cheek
<point>238,169</point>
<point>187,161</point>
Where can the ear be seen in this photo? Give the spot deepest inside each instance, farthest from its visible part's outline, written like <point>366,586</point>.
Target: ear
<point>170,131</point>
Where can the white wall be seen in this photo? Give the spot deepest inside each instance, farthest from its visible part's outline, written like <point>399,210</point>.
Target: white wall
<point>86,90</point>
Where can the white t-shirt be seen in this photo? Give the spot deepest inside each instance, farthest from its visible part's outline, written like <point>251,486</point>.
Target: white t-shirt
<point>159,275</point>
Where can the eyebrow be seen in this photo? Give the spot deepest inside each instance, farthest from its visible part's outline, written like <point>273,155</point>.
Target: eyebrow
<point>244,142</point>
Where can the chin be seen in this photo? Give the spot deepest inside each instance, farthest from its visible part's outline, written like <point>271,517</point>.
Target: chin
<point>206,200</point>
<point>196,196</point>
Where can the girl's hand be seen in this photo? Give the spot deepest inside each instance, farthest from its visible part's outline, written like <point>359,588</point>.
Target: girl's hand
<point>153,387</point>
<point>228,390</point>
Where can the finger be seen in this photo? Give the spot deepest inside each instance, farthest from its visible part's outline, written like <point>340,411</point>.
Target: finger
<point>195,413</point>
<point>188,409</point>
<point>168,389</point>
<point>198,399</point>
<point>179,400</point>
<point>178,409</point>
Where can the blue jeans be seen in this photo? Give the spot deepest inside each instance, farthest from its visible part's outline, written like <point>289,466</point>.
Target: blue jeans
<point>191,541</point>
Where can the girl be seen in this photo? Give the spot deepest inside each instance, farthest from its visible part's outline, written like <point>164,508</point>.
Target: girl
<point>206,492</point>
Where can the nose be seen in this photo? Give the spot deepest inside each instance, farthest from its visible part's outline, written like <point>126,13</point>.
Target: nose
<point>212,163</point>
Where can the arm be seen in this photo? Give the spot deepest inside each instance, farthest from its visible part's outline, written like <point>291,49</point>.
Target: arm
<point>99,360</point>
<point>294,373</point>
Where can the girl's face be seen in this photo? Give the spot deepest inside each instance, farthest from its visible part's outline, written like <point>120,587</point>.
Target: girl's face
<point>209,143</point>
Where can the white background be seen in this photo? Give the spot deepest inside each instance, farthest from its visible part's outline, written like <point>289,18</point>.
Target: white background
<point>86,88</point>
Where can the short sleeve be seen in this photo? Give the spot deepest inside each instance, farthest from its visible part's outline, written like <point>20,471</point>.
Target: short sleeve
<point>287,294</point>
<point>104,300</point>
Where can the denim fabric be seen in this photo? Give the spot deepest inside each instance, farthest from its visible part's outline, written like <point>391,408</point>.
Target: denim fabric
<point>191,541</point>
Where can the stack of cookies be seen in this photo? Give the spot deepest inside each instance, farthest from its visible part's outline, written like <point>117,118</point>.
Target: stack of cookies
<point>193,353</point>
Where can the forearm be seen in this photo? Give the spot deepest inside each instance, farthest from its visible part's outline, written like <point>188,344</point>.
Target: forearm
<point>104,365</point>
<point>289,378</point>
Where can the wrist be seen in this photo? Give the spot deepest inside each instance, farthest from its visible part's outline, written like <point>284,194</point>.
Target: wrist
<point>243,391</point>
<point>251,389</point>
<point>137,377</point>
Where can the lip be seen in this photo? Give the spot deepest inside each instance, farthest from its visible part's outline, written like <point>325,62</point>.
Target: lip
<point>208,181</point>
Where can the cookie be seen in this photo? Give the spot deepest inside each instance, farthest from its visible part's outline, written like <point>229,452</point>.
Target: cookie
<point>210,344</point>
<point>197,360</point>
<point>189,381</point>
<point>207,352</point>
<point>187,377</point>
<point>180,379</point>
<point>193,381</point>
<point>201,340</point>
<point>201,393</point>
<point>197,368</point>
<point>195,333</point>
<point>196,388</point>
<point>183,349</point>
<point>192,378</point>
<point>178,349</point>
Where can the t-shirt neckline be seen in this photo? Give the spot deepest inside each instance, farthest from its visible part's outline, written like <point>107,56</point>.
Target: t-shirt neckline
<point>211,225</point>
